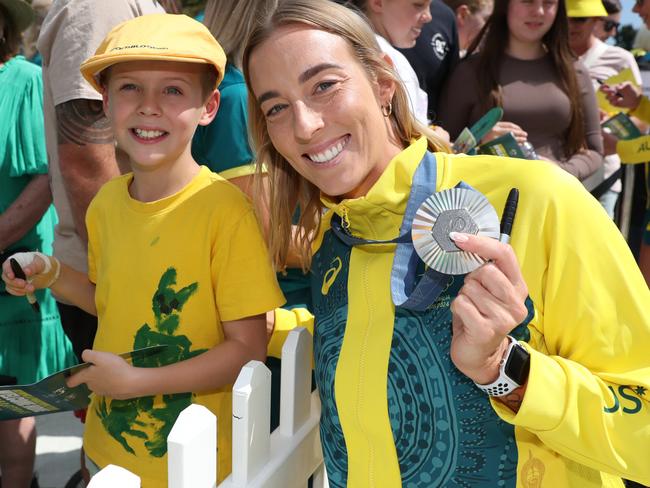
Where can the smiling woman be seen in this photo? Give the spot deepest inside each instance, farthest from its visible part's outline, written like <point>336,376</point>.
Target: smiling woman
<point>333,89</point>
<point>328,93</point>
<point>403,384</point>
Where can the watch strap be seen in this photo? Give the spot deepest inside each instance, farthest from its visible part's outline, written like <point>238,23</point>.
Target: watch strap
<point>503,385</point>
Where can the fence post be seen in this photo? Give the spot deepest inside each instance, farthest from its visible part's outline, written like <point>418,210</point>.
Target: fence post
<point>112,476</point>
<point>251,421</point>
<point>292,453</point>
<point>295,386</point>
<point>320,478</point>
<point>192,449</point>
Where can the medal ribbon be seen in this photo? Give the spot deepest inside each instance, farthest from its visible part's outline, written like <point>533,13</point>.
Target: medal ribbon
<point>404,291</point>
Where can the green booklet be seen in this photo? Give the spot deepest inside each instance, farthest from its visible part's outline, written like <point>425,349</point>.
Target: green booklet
<point>470,137</point>
<point>621,126</point>
<point>51,394</point>
<point>505,145</point>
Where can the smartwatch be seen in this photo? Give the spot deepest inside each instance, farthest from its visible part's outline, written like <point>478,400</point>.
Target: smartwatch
<point>513,370</point>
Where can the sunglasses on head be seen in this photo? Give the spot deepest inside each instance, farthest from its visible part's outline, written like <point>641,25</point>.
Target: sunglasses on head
<point>608,25</point>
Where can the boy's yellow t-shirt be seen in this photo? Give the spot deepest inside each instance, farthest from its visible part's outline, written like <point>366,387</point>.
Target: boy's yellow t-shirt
<point>169,272</point>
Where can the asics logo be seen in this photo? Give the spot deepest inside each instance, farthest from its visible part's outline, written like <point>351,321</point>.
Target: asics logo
<point>330,275</point>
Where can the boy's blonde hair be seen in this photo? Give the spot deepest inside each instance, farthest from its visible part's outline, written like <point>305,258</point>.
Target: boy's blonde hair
<point>288,190</point>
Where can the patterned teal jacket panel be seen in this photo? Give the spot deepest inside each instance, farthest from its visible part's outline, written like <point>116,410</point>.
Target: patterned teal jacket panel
<point>446,434</point>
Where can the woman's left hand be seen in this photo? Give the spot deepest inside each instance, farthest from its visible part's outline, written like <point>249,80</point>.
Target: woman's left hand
<point>489,305</point>
<point>502,127</point>
<point>108,375</point>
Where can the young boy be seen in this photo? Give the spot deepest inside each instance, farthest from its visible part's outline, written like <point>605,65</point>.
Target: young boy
<point>175,254</point>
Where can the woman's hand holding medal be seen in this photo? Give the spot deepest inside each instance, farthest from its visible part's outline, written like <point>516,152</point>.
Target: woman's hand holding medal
<point>489,305</point>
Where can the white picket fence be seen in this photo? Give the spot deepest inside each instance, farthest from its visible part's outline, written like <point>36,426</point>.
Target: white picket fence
<point>284,459</point>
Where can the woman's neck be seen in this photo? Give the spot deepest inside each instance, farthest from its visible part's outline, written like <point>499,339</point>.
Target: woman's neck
<point>525,50</point>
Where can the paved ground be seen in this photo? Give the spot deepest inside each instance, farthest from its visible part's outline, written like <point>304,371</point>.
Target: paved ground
<point>57,448</point>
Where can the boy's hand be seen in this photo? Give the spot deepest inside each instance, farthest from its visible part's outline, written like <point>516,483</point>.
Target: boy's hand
<point>489,305</point>
<point>109,375</point>
<point>41,272</point>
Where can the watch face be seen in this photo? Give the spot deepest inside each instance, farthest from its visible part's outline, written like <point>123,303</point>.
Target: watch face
<point>518,365</point>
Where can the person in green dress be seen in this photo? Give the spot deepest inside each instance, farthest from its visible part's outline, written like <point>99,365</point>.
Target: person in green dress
<point>32,344</point>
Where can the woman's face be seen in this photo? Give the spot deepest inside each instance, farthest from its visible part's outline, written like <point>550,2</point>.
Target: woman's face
<point>401,20</point>
<point>323,113</point>
<point>530,20</point>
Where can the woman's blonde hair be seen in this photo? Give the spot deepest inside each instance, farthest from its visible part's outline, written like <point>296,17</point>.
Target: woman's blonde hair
<point>231,22</point>
<point>288,191</point>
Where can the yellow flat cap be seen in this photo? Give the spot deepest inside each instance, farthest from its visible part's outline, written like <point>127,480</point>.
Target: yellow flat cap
<point>156,37</point>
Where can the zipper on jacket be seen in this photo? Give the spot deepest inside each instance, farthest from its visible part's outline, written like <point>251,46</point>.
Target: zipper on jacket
<point>345,221</point>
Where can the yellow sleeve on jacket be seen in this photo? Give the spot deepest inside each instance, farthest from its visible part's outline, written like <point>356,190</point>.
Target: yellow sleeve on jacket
<point>635,151</point>
<point>285,322</point>
<point>643,110</point>
<point>588,393</point>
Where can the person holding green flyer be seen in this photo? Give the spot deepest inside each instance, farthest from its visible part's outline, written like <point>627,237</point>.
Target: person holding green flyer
<point>33,344</point>
<point>626,95</point>
<point>521,62</point>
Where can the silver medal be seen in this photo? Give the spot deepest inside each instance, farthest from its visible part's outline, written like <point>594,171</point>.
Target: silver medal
<point>453,210</point>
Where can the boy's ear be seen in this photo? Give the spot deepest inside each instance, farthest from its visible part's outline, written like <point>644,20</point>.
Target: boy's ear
<point>210,108</point>
<point>105,100</point>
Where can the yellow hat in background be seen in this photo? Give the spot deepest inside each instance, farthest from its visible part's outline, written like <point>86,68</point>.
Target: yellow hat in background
<point>156,37</point>
<point>585,8</point>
